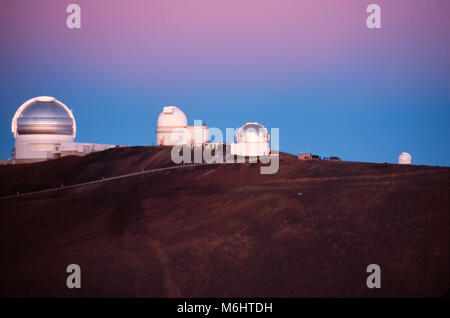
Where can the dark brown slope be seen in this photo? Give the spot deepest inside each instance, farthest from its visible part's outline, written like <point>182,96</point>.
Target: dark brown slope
<point>72,169</point>
<point>225,230</point>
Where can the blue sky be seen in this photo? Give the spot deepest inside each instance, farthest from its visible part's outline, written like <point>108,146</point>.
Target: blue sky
<point>332,89</point>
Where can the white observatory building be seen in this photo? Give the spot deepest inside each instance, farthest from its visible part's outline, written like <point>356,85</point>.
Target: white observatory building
<point>252,140</point>
<point>404,158</point>
<point>44,128</point>
<point>172,129</point>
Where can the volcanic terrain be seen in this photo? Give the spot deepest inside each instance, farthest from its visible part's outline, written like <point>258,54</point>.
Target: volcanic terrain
<point>224,230</point>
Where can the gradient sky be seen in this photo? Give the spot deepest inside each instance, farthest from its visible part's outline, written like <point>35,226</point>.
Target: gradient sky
<point>308,67</point>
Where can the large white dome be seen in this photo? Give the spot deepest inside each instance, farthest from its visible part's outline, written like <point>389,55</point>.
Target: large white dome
<point>43,115</point>
<point>252,132</point>
<point>172,117</point>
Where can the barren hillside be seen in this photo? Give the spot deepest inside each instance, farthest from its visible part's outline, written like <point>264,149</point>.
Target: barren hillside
<point>223,230</point>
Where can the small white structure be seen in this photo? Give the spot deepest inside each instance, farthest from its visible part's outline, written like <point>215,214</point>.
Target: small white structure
<point>252,140</point>
<point>404,158</point>
<point>45,128</point>
<point>172,129</point>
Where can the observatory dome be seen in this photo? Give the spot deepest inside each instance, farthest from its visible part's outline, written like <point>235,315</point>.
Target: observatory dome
<point>172,117</point>
<point>252,132</point>
<point>404,158</point>
<point>43,115</point>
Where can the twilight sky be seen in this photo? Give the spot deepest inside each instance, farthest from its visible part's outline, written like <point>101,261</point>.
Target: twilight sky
<point>308,67</point>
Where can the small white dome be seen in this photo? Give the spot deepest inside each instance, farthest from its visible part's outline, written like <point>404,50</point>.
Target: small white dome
<point>404,158</point>
<point>252,132</point>
<point>172,117</point>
